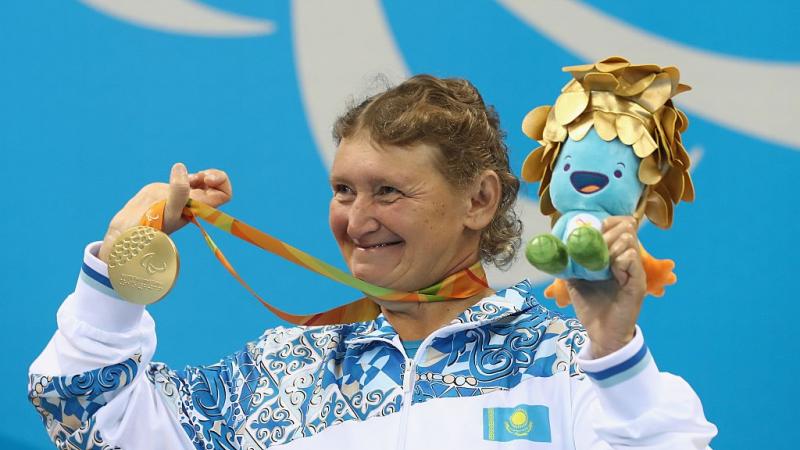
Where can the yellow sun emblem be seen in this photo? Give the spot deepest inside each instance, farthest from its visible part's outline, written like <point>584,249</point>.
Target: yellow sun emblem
<point>519,424</point>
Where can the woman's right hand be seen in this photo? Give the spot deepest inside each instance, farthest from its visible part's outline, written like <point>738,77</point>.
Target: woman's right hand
<point>210,186</point>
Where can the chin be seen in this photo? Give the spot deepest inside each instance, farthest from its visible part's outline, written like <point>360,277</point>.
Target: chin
<point>383,277</point>
<point>370,273</point>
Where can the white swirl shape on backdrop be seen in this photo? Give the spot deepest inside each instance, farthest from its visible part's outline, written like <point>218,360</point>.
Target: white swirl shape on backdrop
<point>182,17</point>
<point>340,47</point>
<point>751,96</point>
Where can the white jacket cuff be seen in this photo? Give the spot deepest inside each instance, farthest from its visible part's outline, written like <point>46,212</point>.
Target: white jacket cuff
<point>95,301</point>
<point>626,381</point>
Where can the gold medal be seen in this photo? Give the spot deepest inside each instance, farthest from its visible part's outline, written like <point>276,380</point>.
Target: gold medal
<point>143,265</point>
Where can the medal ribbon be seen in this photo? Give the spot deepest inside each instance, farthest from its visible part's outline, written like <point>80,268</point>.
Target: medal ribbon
<point>460,285</point>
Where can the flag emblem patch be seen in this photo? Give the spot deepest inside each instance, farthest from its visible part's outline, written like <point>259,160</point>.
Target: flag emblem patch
<point>529,422</point>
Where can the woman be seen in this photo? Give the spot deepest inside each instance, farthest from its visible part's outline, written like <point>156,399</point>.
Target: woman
<point>421,190</point>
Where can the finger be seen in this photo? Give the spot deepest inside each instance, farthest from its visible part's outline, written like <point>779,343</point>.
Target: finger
<point>613,229</point>
<point>612,221</point>
<point>178,195</point>
<point>211,197</point>
<point>624,242</point>
<point>628,269</point>
<point>218,179</point>
<point>620,270</point>
<point>196,180</point>
<point>214,176</point>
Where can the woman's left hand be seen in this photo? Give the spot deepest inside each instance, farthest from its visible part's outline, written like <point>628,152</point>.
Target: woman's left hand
<point>609,309</point>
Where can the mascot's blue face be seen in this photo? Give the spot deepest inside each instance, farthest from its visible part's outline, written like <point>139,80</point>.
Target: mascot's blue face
<point>592,174</point>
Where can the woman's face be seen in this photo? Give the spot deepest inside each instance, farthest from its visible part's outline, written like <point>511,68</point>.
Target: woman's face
<point>398,222</point>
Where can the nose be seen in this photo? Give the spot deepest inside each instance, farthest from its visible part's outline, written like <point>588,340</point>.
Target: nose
<point>361,219</point>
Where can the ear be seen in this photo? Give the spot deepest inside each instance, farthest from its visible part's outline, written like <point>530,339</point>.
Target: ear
<point>484,198</point>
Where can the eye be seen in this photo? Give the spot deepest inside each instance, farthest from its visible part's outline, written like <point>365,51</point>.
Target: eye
<point>387,190</point>
<point>566,167</point>
<point>342,191</point>
<point>618,172</point>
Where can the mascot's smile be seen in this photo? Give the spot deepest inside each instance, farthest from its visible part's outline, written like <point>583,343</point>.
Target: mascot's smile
<point>588,182</point>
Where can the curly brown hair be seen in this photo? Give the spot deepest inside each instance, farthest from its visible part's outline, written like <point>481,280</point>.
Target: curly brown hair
<point>449,114</point>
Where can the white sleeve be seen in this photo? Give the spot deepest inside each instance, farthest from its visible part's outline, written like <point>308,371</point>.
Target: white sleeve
<point>624,402</point>
<point>90,383</point>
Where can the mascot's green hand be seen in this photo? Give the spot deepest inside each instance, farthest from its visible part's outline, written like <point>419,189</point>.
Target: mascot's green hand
<point>587,247</point>
<point>547,253</point>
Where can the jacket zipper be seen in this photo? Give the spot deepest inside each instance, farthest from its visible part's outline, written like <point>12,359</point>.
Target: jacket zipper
<point>409,376</point>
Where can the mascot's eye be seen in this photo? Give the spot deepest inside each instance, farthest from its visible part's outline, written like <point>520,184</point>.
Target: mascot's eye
<point>618,173</point>
<point>566,167</point>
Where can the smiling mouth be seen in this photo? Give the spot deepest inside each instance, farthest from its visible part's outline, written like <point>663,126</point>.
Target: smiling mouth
<point>377,246</point>
<point>588,182</point>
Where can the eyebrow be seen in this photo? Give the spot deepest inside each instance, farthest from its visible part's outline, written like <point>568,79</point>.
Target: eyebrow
<point>373,181</point>
<point>336,180</point>
<point>621,164</point>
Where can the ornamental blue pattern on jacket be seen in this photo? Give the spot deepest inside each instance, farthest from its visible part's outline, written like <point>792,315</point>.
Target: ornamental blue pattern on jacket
<point>295,382</point>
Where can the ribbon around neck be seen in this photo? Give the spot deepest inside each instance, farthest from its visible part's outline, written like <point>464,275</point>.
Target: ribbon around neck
<point>460,285</point>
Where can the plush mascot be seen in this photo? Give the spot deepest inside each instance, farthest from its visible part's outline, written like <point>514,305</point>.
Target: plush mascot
<point>610,146</point>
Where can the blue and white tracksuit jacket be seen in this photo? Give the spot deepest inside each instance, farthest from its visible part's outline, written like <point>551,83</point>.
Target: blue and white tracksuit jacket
<point>506,374</point>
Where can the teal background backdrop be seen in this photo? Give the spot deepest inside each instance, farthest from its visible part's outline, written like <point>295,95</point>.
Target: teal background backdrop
<point>95,102</point>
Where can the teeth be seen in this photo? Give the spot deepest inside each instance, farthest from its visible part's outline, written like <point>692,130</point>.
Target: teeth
<point>381,245</point>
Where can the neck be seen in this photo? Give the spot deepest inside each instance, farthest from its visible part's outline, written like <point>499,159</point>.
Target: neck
<point>415,321</point>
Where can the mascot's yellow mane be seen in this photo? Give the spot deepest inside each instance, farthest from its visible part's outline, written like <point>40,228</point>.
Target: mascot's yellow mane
<point>631,102</point>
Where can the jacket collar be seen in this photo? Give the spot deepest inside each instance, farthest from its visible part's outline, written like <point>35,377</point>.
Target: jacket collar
<point>516,299</point>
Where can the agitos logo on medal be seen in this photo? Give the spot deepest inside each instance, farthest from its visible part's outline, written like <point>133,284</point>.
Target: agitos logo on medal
<point>529,422</point>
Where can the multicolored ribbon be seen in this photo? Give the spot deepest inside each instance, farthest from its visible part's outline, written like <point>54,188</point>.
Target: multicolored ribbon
<point>460,285</point>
